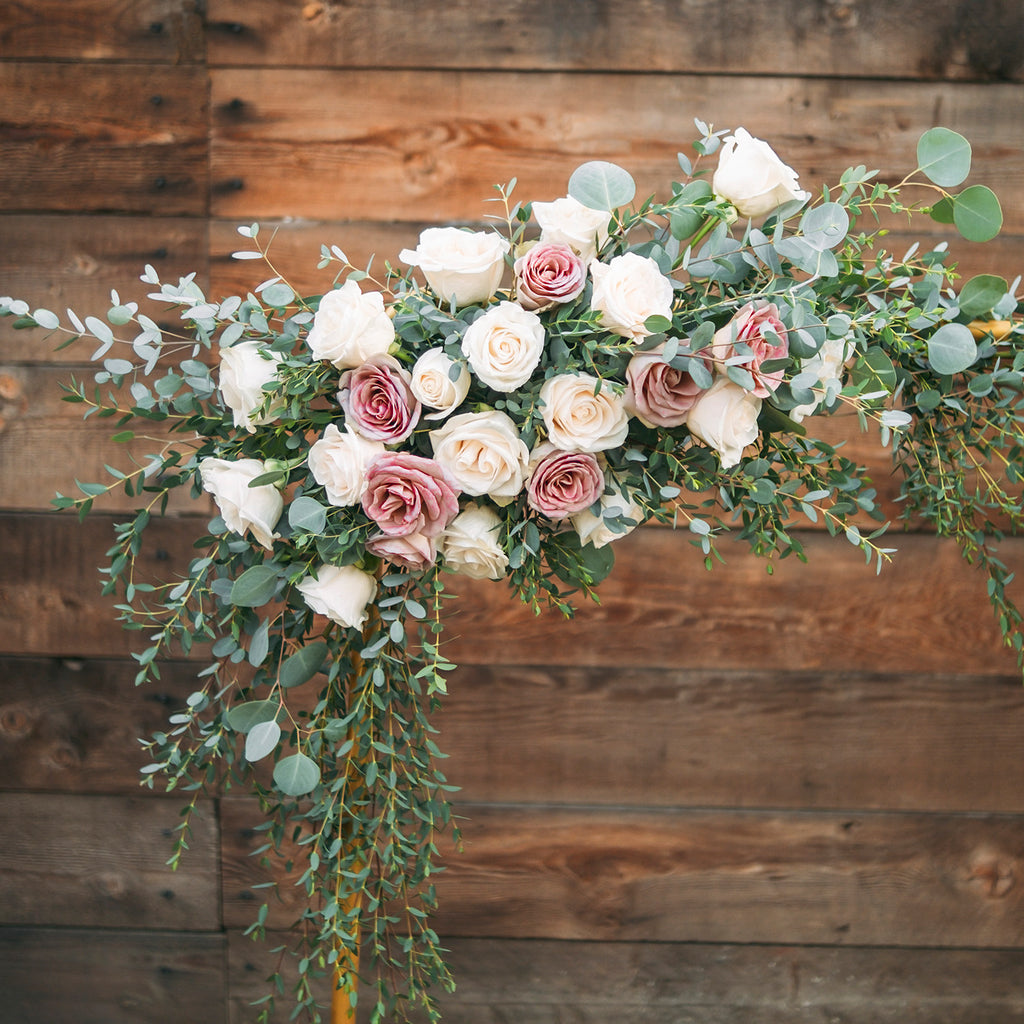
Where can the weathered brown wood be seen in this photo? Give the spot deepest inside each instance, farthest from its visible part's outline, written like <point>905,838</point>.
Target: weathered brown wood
<point>863,39</point>
<point>530,735</point>
<point>927,612</point>
<point>126,138</point>
<point>701,876</point>
<point>55,261</point>
<point>73,726</point>
<point>100,861</point>
<point>396,145</point>
<point>166,31</point>
<point>544,982</point>
<point>102,976</point>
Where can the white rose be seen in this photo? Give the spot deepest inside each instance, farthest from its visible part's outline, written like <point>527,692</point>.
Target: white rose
<point>243,372</point>
<point>433,386</point>
<point>725,418</point>
<point>464,265</point>
<point>504,346</point>
<point>752,177</point>
<point>594,530</point>
<point>484,453</point>
<point>243,507</point>
<point>627,291</point>
<point>568,222</point>
<point>350,328</point>
<point>577,418</point>
<point>341,592</point>
<point>827,365</point>
<point>338,463</point>
<point>470,544</point>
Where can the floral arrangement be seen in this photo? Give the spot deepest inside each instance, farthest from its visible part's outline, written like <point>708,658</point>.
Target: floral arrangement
<point>505,404</point>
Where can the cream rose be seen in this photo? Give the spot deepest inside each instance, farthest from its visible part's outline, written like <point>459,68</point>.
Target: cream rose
<point>752,177</point>
<point>462,265</point>
<point>725,418</point>
<point>433,386</point>
<point>568,222</point>
<point>244,369</point>
<point>827,365</point>
<point>594,529</point>
<point>583,414</point>
<point>243,508</point>
<point>338,463</point>
<point>350,328</point>
<point>504,346</point>
<point>627,291</point>
<point>470,544</point>
<point>341,592</point>
<point>484,454</point>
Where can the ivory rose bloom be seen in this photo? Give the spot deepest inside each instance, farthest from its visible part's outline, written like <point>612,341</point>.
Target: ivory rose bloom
<point>243,508</point>
<point>471,545</point>
<point>827,365</point>
<point>504,346</point>
<point>378,400</point>
<point>341,592</point>
<point>594,529</point>
<point>408,494</point>
<point>752,177</point>
<point>583,414</point>
<point>725,418</point>
<point>244,369</point>
<point>563,483</point>
<point>627,291</point>
<point>464,265</point>
<point>349,327</point>
<point>757,332</point>
<point>568,222</point>
<point>657,394</point>
<point>433,386</point>
<point>484,454</point>
<point>338,463</point>
<point>549,274</point>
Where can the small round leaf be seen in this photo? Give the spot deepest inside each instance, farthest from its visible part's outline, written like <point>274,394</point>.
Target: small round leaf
<point>262,739</point>
<point>307,514</point>
<point>296,775</point>
<point>256,586</point>
<point>951,349</point>
<point>242,717</point>
<point>977,214</point>
<point>981,294</point>
<point>944,157</point>
<point>602,186</point>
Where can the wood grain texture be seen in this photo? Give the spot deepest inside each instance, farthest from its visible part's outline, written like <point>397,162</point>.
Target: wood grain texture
<point>701,876</point>
<point>396,145</point>
<point>162,31</point>
<point>867,38</point>
<point>113,138</point>
<point>101,861</point>
<point>102,976</point>
<point>499,981</point>
<point>60,260</point>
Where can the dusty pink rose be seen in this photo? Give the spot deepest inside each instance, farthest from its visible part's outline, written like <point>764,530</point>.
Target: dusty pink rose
<point>750,327</point>
<point>548,275</point>
<point>564,483</point>
<point>406,494</point>
<point>414,551</point>
<point>657,394</point>
<point>378,400</point>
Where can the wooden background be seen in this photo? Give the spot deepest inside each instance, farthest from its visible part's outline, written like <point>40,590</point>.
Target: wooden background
<point>714,798</point>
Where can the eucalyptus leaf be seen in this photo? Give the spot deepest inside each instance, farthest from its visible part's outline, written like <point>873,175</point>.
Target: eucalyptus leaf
<point>977,214</point>
<point>944,157</point>
<point>262,739</point>
<point>296,775</point>
<point>242,717</point>
<point>302,665</point>
<point>602,185</point>
<point>951,349</point>
<point>981,294</point>
<point>308,514</point>
<point>255,587</point>
<point>825,226</point>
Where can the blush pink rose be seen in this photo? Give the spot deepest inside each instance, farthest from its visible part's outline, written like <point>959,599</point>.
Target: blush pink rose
<point>750,327</point>
<point>414,551</point>
<point>549,275</point>
<point>378,400</point>
<point>657,394</point>
<point>406,494</point>
<point>563,483</point>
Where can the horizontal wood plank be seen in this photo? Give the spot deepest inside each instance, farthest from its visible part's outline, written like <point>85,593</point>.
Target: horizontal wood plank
<point>101,861</point>
<point>162,31</point>
<point>131,139</point>
<point>55,261</point>
<point>700,876</point>
<point>551,982</point>
<point>395,145</point>
<point>868,38</point>
<point>102,976</point>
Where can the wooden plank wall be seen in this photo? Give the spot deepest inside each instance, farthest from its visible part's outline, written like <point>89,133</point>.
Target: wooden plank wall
<point>714,798</point>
